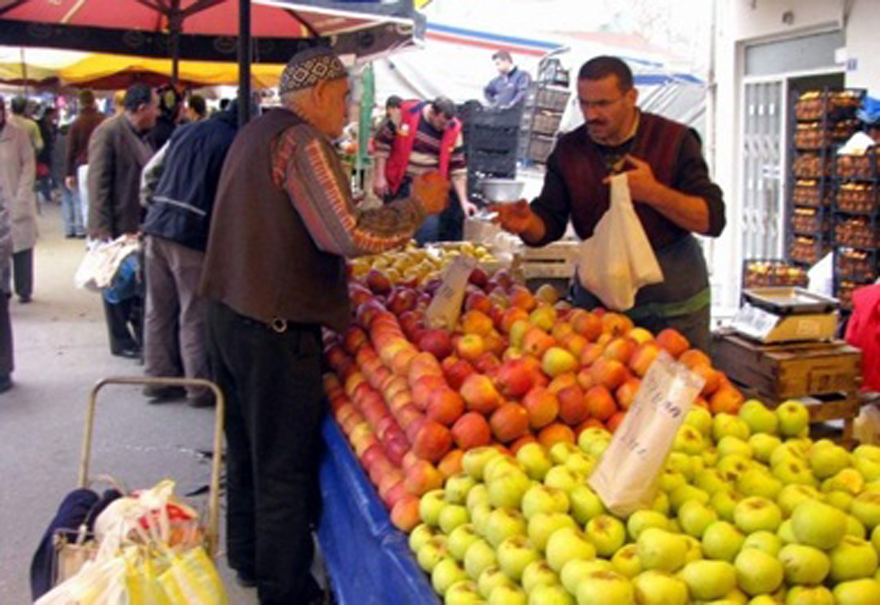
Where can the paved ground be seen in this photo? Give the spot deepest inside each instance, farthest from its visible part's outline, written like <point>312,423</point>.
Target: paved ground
<point>60,351</point>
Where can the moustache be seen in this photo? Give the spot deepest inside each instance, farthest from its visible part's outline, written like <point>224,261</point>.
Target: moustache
<point>596,123</point>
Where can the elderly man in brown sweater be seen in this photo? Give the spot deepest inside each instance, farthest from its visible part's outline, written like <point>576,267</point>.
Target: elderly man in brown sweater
<point>284,219</point>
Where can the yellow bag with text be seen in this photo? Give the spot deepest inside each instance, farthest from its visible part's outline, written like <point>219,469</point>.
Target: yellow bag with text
<point>192,578</point>
<point>142,584</point>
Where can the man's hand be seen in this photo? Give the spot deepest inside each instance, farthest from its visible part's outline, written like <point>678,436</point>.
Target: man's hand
<point>468,208</point>
<point>70,182</point>
<point>380,185</point>
<point>642,184</point>
<point>432,191</point>
<point>515,217</point>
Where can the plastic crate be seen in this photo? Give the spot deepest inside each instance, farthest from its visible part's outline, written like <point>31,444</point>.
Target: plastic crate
<point>761,273</point>
<point>554,99</point>
<point>856,265</point>
<point>857,232</point>
<point>492,162</point>
<point>808,250</point>
<point>811,166</point>
<point>473,115</point>
<point>492,138</point>
<point>858,166</point>
<point>808,193</point>
<point>835,104</point>
<point>546,122</point>
<point>810,220</point>
<point>540,147</point>
<point>858,197</point>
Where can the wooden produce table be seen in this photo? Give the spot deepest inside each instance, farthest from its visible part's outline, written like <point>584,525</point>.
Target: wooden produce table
<point>829,372</point>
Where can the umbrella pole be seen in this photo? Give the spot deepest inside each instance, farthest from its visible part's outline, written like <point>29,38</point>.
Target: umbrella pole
<point>24,76</point>
<point>176,22</point>
<point>244,62</point>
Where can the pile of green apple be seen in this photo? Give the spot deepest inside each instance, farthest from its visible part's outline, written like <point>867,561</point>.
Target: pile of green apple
<point>747,510</point>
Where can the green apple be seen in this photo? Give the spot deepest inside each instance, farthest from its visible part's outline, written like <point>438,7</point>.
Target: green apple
<point>758,482</point>
<point>588,437</point>
<point>661,503</point>
<point>870,469</point>
<point>794,471</point>
<point>724,502</point>
<point>839,499</point>
<point>710,458</point>
<point>857,592</point>
<point>585,504</point>
<point>758,417</point>
<point>793,418</point>
<point>458,487</point>
<point>479,557</point>
<point>722,540</point>
<point>875,538</point>
<point>681,463</point>
<point>420,535</point>
<point>430,506</point>
<point>766,541</point>
<point>661,550</point>
<point>733,467</point>
<point>643,519</point>
<point>709,580</point>
<point>853,559</point>
<point>658,588</point>
<point>446,573</point>
<point>490,579</point>
<point>598,447</point>
<point>514,554</point>
<point>567,544</point>
<point>562,477</point>
<point>538,573</point>
<point>792,495</point>
<point>474,461</point>
<point>534,460</point>
<point>725,425</point>
<point>607,534</point>
<point>543,499</point>
<point>786,533</point>
<point>694,517</point>
<point>559,452</point>
<point>504,523</point>
<point>602,587</point>
<point>689,441</point>
<point>543,525</point>
<point>757,514</point>
<point>432,552</point>
<point>461,539</point>
<point>804,564</point>
<point>828,460</point>
<point>734,446</point>
<point>855,528</point>
<point>581,463</point>
<point>508,595</point>
<point>685,493</point>
<point>764,445</point>
<point>872,486</point>
<point>816,524</point>
<point>478,494</point>
<point>507,489</point>
<point>764,599</point>
<point>695,549</point>
<point>576,570</point>
<point>710,480</point>
<point>700,419</point>
<point>464,592</point>
<point>550,595</point>
<point>871,452</point>
<point>499,465</point>
<point>479,516</point>
<point>452,516</point>
<point>866,508</point>
<point>626,561</point>
<point>809,595</point>
<point>670,480</point>
<point>757,572</point>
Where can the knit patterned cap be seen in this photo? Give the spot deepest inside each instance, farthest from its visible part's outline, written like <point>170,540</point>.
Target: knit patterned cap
<point>308,67</point>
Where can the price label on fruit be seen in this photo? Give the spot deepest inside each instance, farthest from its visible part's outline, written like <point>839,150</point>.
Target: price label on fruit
<point>445,307</point>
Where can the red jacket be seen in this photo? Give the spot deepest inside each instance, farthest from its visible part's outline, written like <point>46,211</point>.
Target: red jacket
<point>401,149</point>
<point>863,331</point>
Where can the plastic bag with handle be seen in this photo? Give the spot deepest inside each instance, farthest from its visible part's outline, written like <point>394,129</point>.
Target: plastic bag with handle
<point>618,259</point>
<point>626,477</point>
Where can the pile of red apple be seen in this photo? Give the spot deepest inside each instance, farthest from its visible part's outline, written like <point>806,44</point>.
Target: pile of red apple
<point>517,369</point>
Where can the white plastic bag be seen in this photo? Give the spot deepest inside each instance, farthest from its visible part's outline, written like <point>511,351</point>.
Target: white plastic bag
<point>866,428</point>
<point>102,261</point>
<point>626,477</point>
<point>618,259</point>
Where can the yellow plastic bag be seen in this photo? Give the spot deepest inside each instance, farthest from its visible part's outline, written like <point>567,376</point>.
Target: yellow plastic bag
<point>192,579</point>
<point>142,583</point>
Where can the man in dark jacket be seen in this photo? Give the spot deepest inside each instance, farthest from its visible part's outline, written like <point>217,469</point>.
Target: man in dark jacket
<point>509,88</point>
<point>118,152</point>
<point>76,165</point>
<point>180,183</point>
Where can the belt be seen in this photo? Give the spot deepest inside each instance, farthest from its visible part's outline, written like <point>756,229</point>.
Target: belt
<point>674,309</point>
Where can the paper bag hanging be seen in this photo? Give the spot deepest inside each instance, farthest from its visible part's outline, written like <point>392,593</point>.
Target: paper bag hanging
<point>618,259</point>
<point>626,478</point>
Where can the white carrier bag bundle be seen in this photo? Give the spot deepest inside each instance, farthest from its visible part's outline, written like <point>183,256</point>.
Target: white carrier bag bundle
<point>618,259</point>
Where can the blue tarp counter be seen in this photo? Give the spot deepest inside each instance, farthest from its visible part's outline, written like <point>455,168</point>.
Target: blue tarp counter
<point>367,558</point>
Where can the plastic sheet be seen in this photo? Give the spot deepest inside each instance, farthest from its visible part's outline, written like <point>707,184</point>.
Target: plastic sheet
<point>368,559</point>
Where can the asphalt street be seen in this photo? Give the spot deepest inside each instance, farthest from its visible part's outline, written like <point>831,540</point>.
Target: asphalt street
<point>60,352</point>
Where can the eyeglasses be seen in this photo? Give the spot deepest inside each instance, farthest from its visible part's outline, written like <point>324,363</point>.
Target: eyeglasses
<point>601,104</point>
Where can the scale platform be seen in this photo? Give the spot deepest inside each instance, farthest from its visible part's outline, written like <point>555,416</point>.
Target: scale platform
<point>786,314</point>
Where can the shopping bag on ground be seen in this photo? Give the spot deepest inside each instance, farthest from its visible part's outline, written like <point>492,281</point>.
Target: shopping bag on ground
<point>626,477</point>
<point>618,259</point>
<point>192,579</point>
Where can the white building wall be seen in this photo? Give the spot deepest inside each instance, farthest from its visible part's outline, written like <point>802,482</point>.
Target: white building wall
<point>863,46</point>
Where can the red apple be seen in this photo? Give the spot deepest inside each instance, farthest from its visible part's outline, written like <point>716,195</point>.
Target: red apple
<point>480,394</point>
<point>572,405</point>
<point>445,406</point>
<point>432,441</point>
<point>470,431</point>
<point>509,422</point>
<point>542,406</point>
<point>514,378</point>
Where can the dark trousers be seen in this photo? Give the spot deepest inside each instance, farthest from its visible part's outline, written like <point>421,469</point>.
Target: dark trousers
<point>23,273</point>
<point>274,406</point>
<point>124,324</point>
<point>448,226</point>
<point>6,359</point>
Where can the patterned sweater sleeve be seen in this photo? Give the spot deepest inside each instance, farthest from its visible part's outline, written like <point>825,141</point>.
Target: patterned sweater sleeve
<point>305,164</point>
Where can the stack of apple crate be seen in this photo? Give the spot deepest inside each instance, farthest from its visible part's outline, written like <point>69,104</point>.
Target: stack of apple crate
<point>824,374</point>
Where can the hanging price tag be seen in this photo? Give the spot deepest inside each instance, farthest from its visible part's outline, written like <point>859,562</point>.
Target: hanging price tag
<point>445,307</point>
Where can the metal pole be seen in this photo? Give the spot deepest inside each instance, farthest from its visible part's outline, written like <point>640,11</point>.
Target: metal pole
<point>175,20</point>
<point>244,62</point>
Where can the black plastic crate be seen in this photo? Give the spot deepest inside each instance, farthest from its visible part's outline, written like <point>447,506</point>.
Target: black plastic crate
<point>492,139</point>
<point>540,147</point>
<point>492,162</point>
<point>474,115</point>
